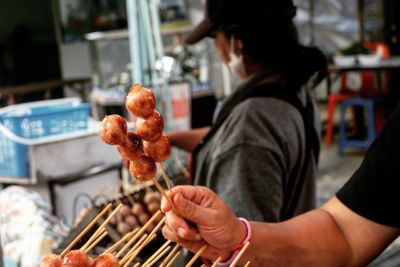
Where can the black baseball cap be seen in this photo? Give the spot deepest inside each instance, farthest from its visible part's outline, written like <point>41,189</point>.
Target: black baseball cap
<point>250,13</point>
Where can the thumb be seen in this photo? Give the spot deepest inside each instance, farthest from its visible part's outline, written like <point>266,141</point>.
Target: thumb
<point>190,210</point>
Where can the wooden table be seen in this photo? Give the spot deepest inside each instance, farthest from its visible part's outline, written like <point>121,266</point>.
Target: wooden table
<point>78,85</point>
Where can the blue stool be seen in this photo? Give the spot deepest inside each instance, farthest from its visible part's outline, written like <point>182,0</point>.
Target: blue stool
<point>368,104</point>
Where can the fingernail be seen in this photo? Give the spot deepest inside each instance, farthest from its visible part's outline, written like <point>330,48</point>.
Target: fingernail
<point>197,237</point>
<point>181,232</point>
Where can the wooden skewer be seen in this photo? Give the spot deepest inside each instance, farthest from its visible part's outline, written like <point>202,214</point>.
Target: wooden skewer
<point>159,187</point>
<point>150,259</point>
<point>103,225</point>
<point>235,261</point>
<point>137,251</point>
<point>216,262</point>
<point>173,259</point>
<point>121,241</point>
<point>173,251</point>
<point>93,238</point>
<point>87,228</point>
<point>140,232</point>
<point>196,256</point>
<point>158,226</point>
<point>126,246</point>
<point>96,242</point>
<point>132,250</point>
<point>182,167</point>
<point>247,264</point>
<point>137,264</point>
<point>165,176</point>
<point>156,259</point>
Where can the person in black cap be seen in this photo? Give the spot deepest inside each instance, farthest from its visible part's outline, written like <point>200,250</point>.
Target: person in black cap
<point>260,154</point>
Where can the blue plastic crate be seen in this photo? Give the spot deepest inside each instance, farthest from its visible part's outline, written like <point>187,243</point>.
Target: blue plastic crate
<point>26,122</point>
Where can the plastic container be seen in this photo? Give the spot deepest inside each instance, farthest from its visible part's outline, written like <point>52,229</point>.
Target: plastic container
<point>22,124</point>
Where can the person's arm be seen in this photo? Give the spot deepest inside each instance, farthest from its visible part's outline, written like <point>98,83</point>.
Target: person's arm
<point>330,236</point>
<point>187,140</point>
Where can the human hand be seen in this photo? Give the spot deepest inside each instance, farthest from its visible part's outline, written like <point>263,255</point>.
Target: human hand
<point>214,224</point>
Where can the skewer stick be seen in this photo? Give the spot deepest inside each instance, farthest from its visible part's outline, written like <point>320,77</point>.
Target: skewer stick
<point>87,228</point>
<point>247,264</point>
<point>159,187</point>
<point>150,259</point>
<point>165,176</point>
<point>137,251</point>
<point>182,167</point>
<point>140,232</point>
<point>96,242</point>
<point>126,246</point>
<point>137,264</point>
<point>132,250</point>
<point>121,241</point>
<point>233,264</point>
<point>173,259</point>
<point>196,256</point>
<point>158,226</point>
<point>156,259</point>
<point>216,262</point>
<point>103,225</point>
<point>169,256</point>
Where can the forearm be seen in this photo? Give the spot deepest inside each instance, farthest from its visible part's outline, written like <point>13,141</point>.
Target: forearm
<point>187,140</point>
<point>311,240</point>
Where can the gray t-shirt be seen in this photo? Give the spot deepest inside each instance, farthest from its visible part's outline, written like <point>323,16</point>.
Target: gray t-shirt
<point>251,158</point>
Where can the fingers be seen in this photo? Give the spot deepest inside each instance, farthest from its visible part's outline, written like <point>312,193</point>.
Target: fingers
<point>180,227</point>
<point>191,210</point>
<point>194,246</point>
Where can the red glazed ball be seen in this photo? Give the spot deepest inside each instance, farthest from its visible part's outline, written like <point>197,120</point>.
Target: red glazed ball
<point>140,101</point>
<point>158,150</point>
<point>76,258</point>
<point>113,129</point>
<point>143,169</point>
<point>132,148</point>
<point>150,128</point>
<point>51,260</point>
<point>106,260</point>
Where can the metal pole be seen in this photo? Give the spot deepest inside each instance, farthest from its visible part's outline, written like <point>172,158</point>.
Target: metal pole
<point>133,31</point>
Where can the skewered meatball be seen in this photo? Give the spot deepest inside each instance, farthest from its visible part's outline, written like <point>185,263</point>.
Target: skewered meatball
<point>152,197</point>
<point>140,101</point>
<point>137,209</point>
<point>106,260</point>
<point>158,150</point>
<point>113,130</point>
<point>131,221</point>
<point>150,128</point>
<point>76,258</point>
<point>143,169</point>
<point>132,148</point>
<point>51,260</point>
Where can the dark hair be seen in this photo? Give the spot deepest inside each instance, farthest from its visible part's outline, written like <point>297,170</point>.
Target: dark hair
<point>275,44</point>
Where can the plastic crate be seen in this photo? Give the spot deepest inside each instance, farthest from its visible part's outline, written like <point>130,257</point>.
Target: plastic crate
<point>21,125</point>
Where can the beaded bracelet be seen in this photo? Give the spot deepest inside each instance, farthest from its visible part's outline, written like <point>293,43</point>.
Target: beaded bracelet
<point>237,248</point>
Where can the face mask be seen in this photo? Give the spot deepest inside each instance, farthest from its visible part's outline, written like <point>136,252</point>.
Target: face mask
<point>236,62</point>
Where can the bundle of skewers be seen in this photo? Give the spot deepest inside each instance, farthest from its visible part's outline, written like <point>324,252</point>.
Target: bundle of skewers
<point>142,149</point>
<point>125,252</point>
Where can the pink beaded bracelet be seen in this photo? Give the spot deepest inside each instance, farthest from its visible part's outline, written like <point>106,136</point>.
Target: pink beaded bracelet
<point>237,248</point>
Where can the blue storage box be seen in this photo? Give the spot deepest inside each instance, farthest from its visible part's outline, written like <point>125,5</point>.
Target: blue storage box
<point>21,125</point>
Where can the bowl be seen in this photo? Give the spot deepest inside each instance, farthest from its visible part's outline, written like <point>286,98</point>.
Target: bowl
<point>344,61</point>
<point>369,60</point>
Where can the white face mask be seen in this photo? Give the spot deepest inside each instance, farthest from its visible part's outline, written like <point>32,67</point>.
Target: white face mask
<point>236,62</point>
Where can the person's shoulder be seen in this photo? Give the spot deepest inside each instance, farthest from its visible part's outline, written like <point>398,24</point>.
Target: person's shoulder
<point>269,110</point>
